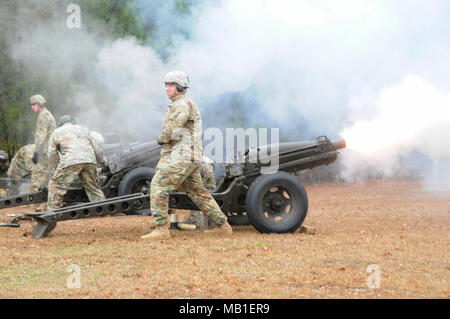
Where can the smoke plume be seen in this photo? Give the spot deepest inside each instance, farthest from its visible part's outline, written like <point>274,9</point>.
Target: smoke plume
<point>374,72</point>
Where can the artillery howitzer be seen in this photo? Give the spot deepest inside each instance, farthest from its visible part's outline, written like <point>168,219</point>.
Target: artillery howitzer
<point>272,203</point>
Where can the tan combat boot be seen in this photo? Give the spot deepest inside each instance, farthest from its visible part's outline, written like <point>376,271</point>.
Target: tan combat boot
<point>159,233</point>
<point>225,228</point>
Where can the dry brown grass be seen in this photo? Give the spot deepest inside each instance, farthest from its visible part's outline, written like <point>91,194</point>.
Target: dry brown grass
<point>388,223</point>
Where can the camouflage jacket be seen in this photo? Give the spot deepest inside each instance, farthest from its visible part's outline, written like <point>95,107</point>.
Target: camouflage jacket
<point>45,125</point>
<point>72,144</point>
<point>182,128</point>
<point>22,163</point>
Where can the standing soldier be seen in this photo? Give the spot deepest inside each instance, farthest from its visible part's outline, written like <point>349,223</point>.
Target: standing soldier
<point>22,163</point>
<point>74,153</point>
<point>45,125</point>
<point>181,155</point>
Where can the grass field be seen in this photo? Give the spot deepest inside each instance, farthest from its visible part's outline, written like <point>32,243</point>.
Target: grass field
<point>391,224</point>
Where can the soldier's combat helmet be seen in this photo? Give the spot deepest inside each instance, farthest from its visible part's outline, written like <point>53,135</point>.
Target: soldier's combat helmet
<point>177,77</point>
<point>65,119</point>
<point>39,99</point>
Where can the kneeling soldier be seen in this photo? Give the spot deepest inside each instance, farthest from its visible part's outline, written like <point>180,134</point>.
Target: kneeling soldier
<point>22,163</point>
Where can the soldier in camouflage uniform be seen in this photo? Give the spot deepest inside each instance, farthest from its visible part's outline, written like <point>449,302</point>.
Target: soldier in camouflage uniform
<point>45,125</point>
<point>22,163</point>
<point>74,153</point>
<point>179,166</point>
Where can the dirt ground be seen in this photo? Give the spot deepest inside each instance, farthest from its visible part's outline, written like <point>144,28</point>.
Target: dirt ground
<point>380,239</point>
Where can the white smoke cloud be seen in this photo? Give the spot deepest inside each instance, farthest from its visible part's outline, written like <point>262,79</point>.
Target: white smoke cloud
<point>132,74</point>
<point>315,56</point>
<point>334,64</point>
<point>411,115</point>
<point>375,68</point>
<point>122,92</point>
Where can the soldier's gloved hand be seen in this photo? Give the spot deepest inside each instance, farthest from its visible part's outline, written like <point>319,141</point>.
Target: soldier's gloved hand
<point>35,158</point>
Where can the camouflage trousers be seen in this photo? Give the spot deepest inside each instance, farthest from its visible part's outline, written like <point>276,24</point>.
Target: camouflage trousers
<point>39,174</point>
<point>62,178</point>
<point>176,174</point>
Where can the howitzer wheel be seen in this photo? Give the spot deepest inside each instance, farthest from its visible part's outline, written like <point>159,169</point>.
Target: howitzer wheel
<point>276,203</point>
<point>137,180</point>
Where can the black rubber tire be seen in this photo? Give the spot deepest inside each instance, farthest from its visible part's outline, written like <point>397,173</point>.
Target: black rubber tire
<point>130,184</point>
<point>239,219</point>
<point>297,198</point>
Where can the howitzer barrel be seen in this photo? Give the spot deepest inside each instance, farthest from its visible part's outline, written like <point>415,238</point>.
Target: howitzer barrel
<point>293,156</point>
<point>139,154</point>
<point>141,151</point>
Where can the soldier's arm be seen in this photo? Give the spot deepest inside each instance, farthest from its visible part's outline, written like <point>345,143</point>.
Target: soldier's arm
<point>39,135</point>
<point>177,118</point>
<point>53,157</point>
<point>98,151</point>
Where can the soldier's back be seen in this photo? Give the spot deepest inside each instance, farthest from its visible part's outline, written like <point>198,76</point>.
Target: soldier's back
<point>73,144</point>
